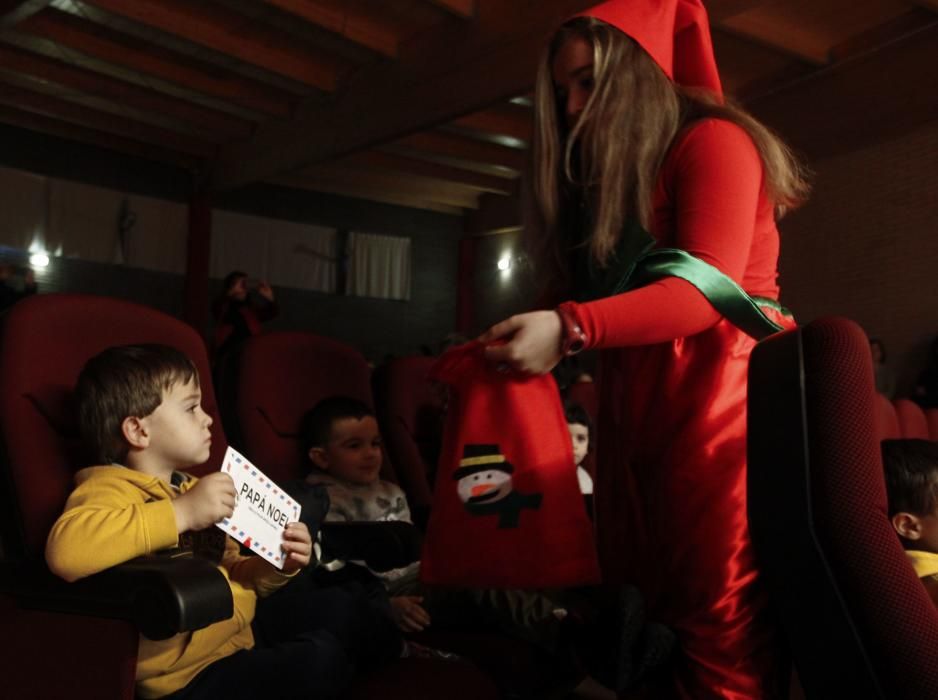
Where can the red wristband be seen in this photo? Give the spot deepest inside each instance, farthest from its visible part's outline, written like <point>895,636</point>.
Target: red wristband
<point>573,338</point>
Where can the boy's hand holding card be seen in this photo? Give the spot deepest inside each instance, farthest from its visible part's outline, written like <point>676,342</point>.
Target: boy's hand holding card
<point>261,512</point>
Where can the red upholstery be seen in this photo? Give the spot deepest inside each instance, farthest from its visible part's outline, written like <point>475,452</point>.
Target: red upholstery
<point>912,422</point>
<point>585,394</point>
<point>887,422</point>
<point>283,375</point>
<point>410,410</point>
<point>931,416</point>
<point>859,622</point>
<point>46,340</point>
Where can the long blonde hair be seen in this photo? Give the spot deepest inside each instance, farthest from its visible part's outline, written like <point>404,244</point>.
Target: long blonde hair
<point>612,157</point>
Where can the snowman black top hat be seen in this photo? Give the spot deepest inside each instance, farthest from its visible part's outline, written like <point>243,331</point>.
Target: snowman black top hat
<point>481,458</point>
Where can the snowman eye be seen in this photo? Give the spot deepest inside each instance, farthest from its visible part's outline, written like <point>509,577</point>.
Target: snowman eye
<point>475,478</point>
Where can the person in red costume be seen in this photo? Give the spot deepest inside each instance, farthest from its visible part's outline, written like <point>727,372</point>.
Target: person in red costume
<point>652,211</point>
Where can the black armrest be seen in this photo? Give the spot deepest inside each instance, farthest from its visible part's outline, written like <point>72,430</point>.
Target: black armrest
<point>161,595</point>
<point>382,545</point>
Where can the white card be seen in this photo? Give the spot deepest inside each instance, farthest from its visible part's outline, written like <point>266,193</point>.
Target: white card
<point>261,512</point>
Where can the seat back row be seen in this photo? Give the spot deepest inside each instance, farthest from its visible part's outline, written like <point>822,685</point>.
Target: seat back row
<point>902,418</point>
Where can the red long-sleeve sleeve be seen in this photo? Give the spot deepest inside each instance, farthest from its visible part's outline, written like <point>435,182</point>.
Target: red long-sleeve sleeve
<point>709,198</point>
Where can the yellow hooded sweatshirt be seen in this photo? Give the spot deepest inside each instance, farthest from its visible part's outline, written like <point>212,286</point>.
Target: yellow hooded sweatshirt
<point>116,514</point>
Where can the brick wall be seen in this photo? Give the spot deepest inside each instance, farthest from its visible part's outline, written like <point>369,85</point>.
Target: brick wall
<point>866,246</point>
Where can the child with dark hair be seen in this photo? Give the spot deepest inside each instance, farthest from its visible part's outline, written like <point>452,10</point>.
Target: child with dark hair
<point>911,468</point>
<point>140,412</point>
<point>342,440</point>
<point>581,427</point>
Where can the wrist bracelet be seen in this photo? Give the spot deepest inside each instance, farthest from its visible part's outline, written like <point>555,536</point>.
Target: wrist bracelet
<point>573,338</point>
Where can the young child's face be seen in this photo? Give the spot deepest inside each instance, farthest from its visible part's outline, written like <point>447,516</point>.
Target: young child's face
<point>580,435</point>
<point>353,452</point>
<point>179,429</point>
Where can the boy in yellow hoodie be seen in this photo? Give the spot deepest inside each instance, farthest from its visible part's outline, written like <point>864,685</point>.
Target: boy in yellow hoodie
<point>140,411</point>
<point>911,468</point>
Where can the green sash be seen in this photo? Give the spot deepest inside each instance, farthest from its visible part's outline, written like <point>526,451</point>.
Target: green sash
<point>635,264</point>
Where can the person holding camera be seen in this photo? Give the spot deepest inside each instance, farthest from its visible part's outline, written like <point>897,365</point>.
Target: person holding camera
<point>239,311</point>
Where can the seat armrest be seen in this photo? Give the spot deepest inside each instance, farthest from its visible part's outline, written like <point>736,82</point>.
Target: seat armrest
<point>383,545</point>
<point>161,595</point>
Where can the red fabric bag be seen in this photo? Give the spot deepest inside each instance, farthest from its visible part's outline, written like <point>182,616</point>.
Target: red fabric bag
<point>507,509</point>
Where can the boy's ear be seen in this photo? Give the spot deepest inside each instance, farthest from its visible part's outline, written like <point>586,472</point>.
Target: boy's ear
<point>317,456</point>
<point>135,432</point>
<point>908,526</point>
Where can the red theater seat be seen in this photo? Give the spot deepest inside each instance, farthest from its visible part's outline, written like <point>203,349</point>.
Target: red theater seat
<point>858,621</point>
<point>887,422</point>
<point>912,422</point>
<point>410,409</point>
<point>931,415</point>
<point>79,640</point>
<point>280,377</point>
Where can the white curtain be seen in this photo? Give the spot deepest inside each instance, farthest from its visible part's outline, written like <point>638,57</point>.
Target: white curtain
<point>379,266</point>
<point>282,252</point>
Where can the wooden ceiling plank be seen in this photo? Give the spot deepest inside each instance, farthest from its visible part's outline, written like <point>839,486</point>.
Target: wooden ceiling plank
<point>13,15</point>
<point>355,26</point>
<point>109,46</point>
<point>779,43</point>
<point>365,193</point>
<point>490,60</point>
<point>208,26</point>
<point>104,122</point>
<point>460,8</point>
<point>463,148</point>
<point>719,10</point>
<point>506,120</point>
<point>831,111</point>
<point>419,188</point>
<point>424,168</point>
<point>72,132</point>
<point>915,20</point>
<point>122,92</point>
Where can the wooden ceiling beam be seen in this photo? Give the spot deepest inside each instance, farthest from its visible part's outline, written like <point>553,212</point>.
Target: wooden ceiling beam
<point>424,168</point>
<point>461,8</point>
<point>719,10</point>
<point>72,132</point>
<point>365,193</point>
<point>390,183</point>
<point>832,111</point>
<point>915,20</point>
<point>928,4</point>
<point>221,125</point>
<point>776,43</point>
<point>505,120</point>
<point>12,13</point>
<point>111,47</point>
<point>462,148</point>
<point>439,76</point>
<point>39,103</point>
<point>346,22</point>
<point>240,37</point>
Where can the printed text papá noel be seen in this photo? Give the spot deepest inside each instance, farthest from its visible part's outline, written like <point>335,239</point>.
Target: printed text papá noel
<point>261,512</point>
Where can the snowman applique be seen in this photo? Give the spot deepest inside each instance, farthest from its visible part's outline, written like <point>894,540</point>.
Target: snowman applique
<point>483,482</point>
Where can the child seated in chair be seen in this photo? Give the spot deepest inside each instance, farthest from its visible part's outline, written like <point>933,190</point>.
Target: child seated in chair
<point>344,445</point>
<point>140,413</point>
<point>580,427</point>
<point>911,468</point>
